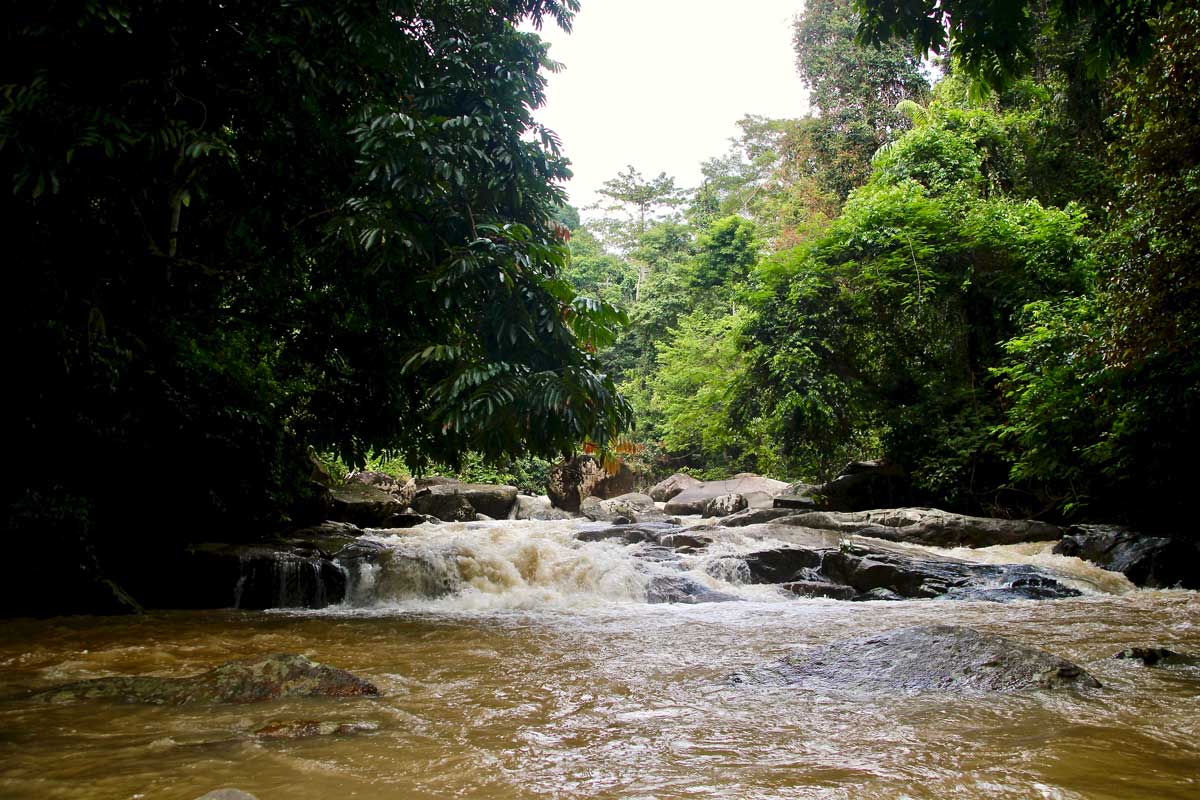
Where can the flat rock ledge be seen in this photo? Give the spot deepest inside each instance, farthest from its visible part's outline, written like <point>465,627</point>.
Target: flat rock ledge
<point>934,658</point>
<point>251,680</point>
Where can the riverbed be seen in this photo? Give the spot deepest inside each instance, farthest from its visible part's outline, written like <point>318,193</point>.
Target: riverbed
<point>551,683</point>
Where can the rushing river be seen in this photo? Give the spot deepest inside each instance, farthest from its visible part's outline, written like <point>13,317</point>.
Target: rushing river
<point>527,666</point>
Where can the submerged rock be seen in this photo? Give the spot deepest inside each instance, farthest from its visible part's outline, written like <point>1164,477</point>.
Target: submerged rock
<point>306,728</point>
<point>250,680</point>
<point>227,794</point>
<point>682,589</point>
<point>1152,656</point>
<point>935,658</point>
<point>1156,561</point>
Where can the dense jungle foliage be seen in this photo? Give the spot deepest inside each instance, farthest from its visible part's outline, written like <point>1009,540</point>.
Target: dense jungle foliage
<point>243,233</point>
<point>987,277</point>
<point>245,236</point>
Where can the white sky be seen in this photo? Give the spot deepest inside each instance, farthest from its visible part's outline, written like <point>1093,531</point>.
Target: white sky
<point>661,84</point>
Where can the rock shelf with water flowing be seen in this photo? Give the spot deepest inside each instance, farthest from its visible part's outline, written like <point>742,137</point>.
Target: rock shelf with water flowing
<point>750,556</point>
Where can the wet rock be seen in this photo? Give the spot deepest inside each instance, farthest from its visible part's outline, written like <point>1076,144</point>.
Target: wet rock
<point>681,589</point>
<point>863,485</point>
<point>882,573</point>
<point>306,728</point>
<point>667,489</point>
<point>227,794</point>
<point>678,540</point>
<point>1160,562</point>
<point>615,510</point>
<point>1151,656</point>
<point>625,534</point>
<point>298,572</point>
<point>927,526</point>
<point>574,479</point>
<point>819,589</point>
<point>878,593</point>
<point>363,505</point>
<point>444,501</point>
<point>725,504</point>
<point>537,508</point>
<point>935,658</point>
<point>691,501</point>
<point>249,680</point>
<point>755,516</point>
<point>446,506</point>
<point>783,565</point>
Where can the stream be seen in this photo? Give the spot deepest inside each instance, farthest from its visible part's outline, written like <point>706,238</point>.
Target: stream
<point>516,661</point>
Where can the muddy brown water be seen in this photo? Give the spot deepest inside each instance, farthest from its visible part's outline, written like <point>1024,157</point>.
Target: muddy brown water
<point>538,682</point>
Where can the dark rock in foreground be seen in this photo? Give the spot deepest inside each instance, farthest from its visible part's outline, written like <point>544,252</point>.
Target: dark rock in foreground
<point>1156,561</point>
<point>249,680</point>
<point>937,658</point>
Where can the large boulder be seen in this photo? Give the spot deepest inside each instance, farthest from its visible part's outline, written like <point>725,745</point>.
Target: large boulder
<point>582,476</point>
<point>927,526</point>
<point>666,489</point>
<point>363,505</point>
<point>692,501</point>
<point>725,504</point>
<point>250,680</point>
<point>802,496</point>
<point>863,485</point>
<point>446,506</point>
<point>1155,561</point>
<point>494,501</point>
<point>537,508</point>
<point>933,658</point>
<point>615,511</point>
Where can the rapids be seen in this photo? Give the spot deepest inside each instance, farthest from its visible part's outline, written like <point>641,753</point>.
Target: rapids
<point>517,661</point>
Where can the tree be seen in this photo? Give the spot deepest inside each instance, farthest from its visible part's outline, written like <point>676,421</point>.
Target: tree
<point>638,200</point>
<point>856,90</point>
<point>246,231</point>
<point>995,42</point>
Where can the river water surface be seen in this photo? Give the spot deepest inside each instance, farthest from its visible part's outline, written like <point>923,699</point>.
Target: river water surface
<point>540,674</point>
